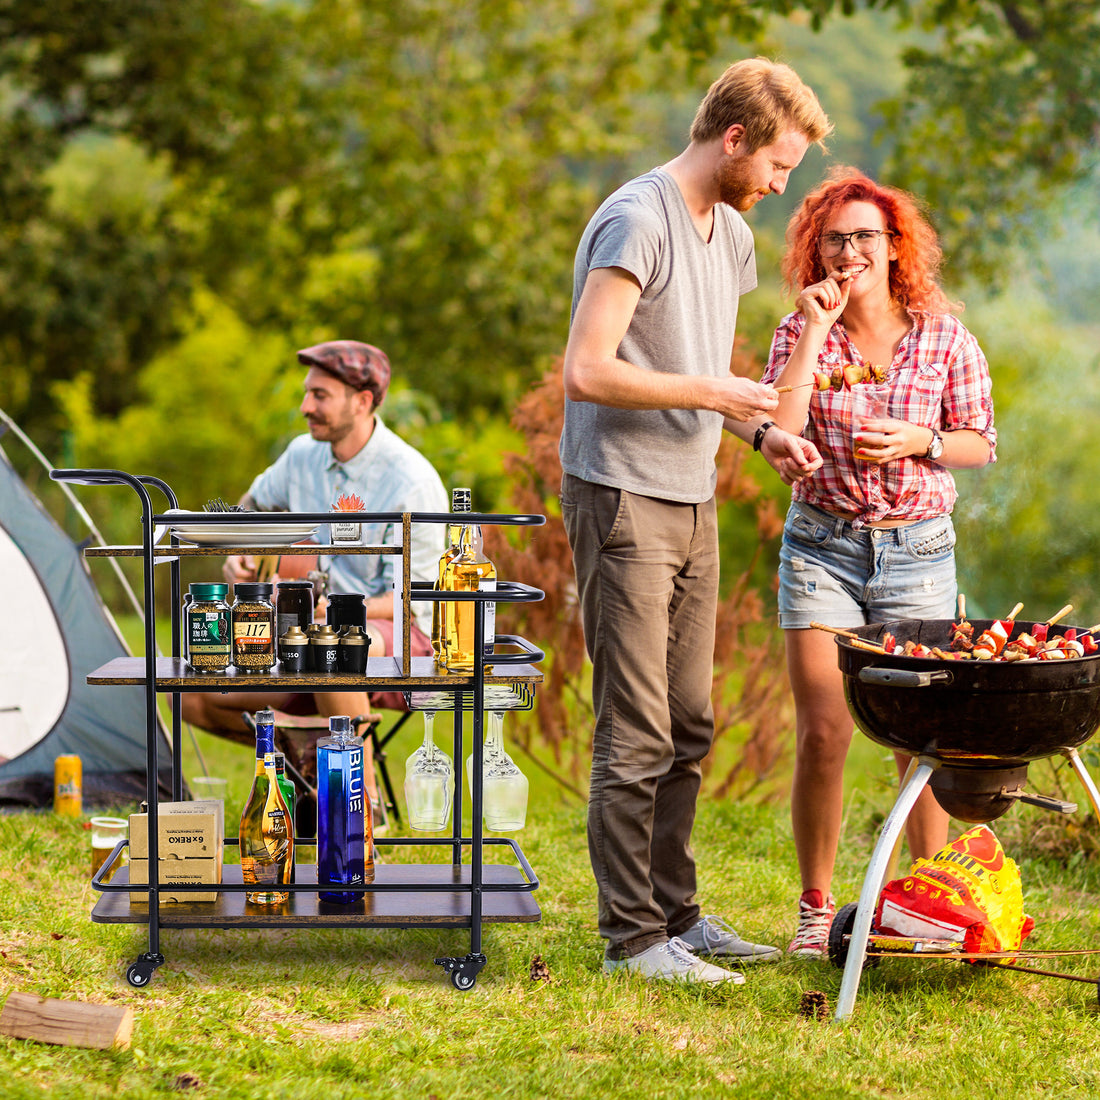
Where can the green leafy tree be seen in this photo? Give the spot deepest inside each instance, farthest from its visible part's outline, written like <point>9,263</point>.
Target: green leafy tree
<point>468,129</point>
<point>121,124</point>
<point>412,174</point>
<point>999,114</point>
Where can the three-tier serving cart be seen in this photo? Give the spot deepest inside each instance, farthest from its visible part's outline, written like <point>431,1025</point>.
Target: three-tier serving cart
<point>460,891</point>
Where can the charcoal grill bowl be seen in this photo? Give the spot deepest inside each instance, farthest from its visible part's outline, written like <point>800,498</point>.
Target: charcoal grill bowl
<point>981,714</point>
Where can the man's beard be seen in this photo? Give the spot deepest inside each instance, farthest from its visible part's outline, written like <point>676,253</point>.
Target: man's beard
<point>325,430</point>
<point>736,187</point>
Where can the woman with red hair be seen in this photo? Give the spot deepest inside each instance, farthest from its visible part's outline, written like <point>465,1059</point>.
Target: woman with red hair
<point>869,536</point>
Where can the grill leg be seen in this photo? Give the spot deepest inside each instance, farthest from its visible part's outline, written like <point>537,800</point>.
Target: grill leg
<point>873,882</point>
<point>1086,780</point>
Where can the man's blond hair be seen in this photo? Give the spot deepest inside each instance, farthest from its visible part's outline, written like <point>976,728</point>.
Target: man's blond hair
<point>767,98</point>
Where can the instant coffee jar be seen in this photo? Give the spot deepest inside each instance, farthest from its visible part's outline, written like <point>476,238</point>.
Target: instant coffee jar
<point>323,649</point>
<point>293,650</point>
<point>207,618</point>
<point>353,651</point>
<point>253,627</point>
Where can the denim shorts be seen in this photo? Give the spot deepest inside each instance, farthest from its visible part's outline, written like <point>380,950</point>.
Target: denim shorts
<point>830,572</point>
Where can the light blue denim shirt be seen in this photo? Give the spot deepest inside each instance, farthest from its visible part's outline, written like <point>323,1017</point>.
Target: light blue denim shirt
<point>389,476</point>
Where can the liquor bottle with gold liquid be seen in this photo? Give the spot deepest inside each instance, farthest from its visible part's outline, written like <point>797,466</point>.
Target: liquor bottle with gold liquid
<point>460,503</point>
<point>469,571</point>
<point>266,831</point>
<point>286,785</point>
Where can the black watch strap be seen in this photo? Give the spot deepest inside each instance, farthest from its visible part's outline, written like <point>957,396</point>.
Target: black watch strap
<point>760,433</point>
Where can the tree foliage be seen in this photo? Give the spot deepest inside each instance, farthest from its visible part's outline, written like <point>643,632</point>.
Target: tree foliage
<point>999,115</point>
<point>414,174</point>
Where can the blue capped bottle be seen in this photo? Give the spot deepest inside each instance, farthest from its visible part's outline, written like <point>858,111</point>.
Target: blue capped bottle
<point>267,831</point>
<point>344,848</point>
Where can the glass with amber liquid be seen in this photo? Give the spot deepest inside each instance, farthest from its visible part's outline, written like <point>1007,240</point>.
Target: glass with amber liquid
<point>469,571</point>
<point>266,831</point>
<point>106,833</point>
<point>460,502</point>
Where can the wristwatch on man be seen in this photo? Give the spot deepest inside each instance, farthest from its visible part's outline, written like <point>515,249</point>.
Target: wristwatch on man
<point>935,448</point>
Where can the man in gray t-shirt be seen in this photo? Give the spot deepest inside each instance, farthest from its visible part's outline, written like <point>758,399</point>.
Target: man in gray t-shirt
<point>657,279</point>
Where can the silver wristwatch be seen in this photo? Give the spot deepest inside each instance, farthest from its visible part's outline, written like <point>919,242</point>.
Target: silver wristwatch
<point>935,448</point>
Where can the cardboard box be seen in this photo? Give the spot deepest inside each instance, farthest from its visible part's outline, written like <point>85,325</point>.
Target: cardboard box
<point>190,843</point>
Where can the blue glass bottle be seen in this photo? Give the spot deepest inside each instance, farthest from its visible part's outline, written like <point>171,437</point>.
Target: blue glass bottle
<point>343,825</point>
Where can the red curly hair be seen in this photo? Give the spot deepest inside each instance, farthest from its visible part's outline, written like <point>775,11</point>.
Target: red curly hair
<point>913,274</point>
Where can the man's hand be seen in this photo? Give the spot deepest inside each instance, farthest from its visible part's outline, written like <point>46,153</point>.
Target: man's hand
<point>791,456</point>
<point>240,567</point>
<point>741,399</point>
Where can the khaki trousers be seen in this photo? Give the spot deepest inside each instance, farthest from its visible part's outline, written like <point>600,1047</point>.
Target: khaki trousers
<point>647,581</point>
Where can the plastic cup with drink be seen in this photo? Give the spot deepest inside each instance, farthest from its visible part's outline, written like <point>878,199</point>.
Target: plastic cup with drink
<point>106,833</point>
<point>870,401</point>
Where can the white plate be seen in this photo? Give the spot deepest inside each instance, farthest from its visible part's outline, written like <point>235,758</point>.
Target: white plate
<point>243,534</point>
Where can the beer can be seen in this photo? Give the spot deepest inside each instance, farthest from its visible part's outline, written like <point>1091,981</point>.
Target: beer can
<point>67,787</point>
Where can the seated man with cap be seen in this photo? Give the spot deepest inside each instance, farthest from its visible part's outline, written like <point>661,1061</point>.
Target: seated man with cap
<point>348,451</point>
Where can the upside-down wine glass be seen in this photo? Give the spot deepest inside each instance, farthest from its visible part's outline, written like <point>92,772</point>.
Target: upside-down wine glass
<point>429,783</point>
<point>503,786</point>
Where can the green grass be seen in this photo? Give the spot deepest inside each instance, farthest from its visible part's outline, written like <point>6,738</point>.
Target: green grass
<point>333,1014</point>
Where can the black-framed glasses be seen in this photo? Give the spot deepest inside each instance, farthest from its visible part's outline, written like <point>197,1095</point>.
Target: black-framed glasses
<point>864,241</point>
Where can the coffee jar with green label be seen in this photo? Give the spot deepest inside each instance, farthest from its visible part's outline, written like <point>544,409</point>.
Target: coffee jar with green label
<point>207,628</point>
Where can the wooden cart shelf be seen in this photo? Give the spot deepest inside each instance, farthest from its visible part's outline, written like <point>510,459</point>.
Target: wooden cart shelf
<point>383,673</point>
<point>186,550</point>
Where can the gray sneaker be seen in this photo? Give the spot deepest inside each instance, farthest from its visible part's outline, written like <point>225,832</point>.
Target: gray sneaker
<point>673,962</point>
<point>714,937</point>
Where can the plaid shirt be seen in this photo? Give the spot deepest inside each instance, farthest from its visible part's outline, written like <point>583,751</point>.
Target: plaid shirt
<point>939,378</point>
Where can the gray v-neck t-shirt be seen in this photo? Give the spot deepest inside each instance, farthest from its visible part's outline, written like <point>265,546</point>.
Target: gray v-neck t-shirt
<point>684,324</point>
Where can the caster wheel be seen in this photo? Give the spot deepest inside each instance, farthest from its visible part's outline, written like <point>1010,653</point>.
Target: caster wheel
<point>462,981</point>
<point>138,975</point>
<point>843,923</point>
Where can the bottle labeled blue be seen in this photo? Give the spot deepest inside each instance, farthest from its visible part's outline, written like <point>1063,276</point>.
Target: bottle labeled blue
<point>343,818</point>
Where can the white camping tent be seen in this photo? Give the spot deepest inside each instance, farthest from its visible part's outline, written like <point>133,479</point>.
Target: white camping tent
<point>54,630</point>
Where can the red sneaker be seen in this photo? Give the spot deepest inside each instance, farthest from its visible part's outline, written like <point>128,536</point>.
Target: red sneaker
<point>815,917</point>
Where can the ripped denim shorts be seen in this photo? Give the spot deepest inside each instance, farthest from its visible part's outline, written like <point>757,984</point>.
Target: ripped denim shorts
<point>830,572</point>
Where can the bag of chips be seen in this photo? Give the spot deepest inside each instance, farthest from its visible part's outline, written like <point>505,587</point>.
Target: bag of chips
<point>968,892</point>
